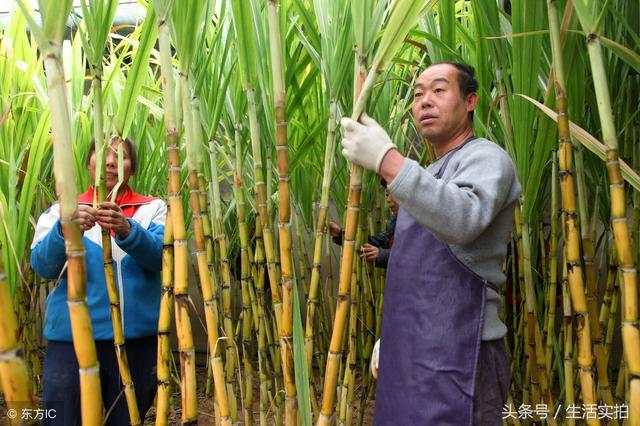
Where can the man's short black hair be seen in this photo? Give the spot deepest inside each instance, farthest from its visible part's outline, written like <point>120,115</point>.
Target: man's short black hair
<point>133,155</point>
<point>466,77</point>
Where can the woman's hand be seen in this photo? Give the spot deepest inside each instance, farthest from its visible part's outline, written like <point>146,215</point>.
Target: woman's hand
<point>86,217</point>
<point>110,216</point>
<point>334,229</point>
<point>369,252</point>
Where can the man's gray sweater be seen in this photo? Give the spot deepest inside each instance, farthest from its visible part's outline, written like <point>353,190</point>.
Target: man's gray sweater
<point>471,208</point>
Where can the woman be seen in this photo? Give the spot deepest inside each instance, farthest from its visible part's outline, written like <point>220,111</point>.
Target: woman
<point>136,224</point>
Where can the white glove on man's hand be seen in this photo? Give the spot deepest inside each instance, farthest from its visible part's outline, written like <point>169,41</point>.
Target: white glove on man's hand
<point>365,143</point>
<point>374,359</point>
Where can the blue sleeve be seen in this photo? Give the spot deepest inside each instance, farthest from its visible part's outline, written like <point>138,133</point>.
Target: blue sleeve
<point>48,256</point>
<point>144,245</point>
<point>383,258</point>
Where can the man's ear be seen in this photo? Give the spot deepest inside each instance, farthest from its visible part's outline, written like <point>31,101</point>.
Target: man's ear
<point>472,101</point>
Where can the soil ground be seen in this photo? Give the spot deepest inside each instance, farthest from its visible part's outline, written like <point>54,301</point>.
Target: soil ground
<point>205,406</point>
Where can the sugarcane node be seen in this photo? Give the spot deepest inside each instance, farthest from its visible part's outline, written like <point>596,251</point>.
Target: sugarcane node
<point>88,371</point>
<point>11,354</point>
<point>591,37</point>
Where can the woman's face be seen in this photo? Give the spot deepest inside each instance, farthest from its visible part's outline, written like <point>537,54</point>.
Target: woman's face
<point>111,177</point>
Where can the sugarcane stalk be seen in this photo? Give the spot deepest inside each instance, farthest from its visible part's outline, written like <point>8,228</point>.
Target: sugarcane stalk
<point>193,131</point>
<point>15,379</point>
<point>164,328</point>
<point>312,299</point>
<point>571,222</point>
<point>173,115</point>
<point>567,327</point>
<point>350,364</point>
<point>225,273</point>
<point>284,214</point>
<point>346,265</point>
<point>50,40</point>
<point>629,279</point>
<point>100,196</point>
<point>553,269</point>
<point>592,289</point>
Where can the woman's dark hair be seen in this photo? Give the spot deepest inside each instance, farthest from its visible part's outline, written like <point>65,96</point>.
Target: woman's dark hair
<point>133,155</point>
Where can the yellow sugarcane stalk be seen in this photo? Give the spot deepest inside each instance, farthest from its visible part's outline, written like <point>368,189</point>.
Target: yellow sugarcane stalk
<point>91,394</point>
<point>15,380</point>
<point>193,131</point>
<point>164,328</point>
<point>572,229</point>
<point>539,380</point>
<point>567,327</point>
<point>314,285</point>
<point>342,307</point>
<point>171,92</point>
<point>629,278</point>
<point>284,215</point>
<point>220,237</point>
<point>553,270</point>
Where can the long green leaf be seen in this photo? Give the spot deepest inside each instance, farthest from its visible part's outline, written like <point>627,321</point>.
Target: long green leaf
<point>300,364</point>
<point>136,75</point>
<point>590,142</point>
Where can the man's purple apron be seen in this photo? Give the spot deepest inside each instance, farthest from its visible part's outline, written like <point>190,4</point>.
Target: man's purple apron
<point>431,331</point>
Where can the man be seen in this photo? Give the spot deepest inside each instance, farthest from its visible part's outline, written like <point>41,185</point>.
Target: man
<point>378,246</point>
<point>442,359</point>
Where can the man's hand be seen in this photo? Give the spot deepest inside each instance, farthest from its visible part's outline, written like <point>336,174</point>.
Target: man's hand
<point>110,216</point>
<point>375,355</point>
<point>86,217</point>
<point>369,252</point>
<point>334,229</point>
<point>365,144</point>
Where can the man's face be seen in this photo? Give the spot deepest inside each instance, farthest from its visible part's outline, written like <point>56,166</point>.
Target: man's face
<point>440,110</point>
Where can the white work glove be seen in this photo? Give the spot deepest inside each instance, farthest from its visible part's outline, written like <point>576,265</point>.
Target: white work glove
<point>365,143</point>
<point>374,359</point>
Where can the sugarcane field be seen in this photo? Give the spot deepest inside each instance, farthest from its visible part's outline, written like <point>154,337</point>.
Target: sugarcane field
<point>319,212</point>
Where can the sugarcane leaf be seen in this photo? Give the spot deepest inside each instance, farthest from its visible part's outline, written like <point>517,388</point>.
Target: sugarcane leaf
<point>300,364</point>
<point>244,30</point>
<point>447,21</point>
<point>585,15</point>
<point>404,16</point>
<point>136,75</point>
<point>629,56</point>
<point>590,142</point>
<point>39,146</point>
<point>36,30</point>
<point>54,18</point>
